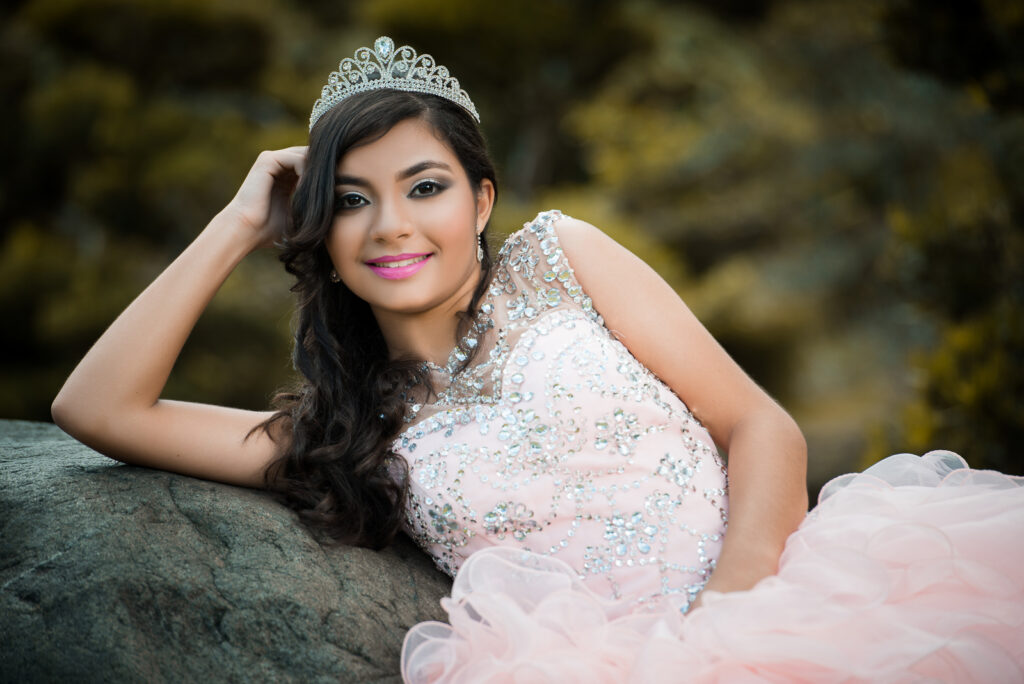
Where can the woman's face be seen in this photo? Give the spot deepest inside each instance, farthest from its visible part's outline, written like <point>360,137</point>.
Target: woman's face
<point>406,220</point>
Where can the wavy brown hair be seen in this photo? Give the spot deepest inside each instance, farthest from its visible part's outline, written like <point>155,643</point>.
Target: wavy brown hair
<point>337,467</point>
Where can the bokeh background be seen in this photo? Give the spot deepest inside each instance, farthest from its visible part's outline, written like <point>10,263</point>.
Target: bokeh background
<point>836,188</point>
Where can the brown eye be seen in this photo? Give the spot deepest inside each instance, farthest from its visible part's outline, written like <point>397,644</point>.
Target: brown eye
<point>427,188</point>
<point>350,200</point>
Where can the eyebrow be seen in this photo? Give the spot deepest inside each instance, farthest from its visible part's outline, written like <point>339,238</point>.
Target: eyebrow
<point>401,175</point>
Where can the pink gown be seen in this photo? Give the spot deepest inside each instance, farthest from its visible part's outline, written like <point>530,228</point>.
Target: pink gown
<point>580,507</point>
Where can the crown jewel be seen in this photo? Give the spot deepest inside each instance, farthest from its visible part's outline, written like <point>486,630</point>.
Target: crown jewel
<point>385,66</point>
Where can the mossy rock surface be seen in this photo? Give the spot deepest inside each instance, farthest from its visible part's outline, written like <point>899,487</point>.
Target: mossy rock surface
<point>114,573</point>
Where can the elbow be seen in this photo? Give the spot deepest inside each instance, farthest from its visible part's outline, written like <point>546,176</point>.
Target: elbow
<point>796,447</point>
<point>71,415</point>
<point>791,438</point>
<point>60,411</point>
<point>795,437</point>
<point>65,415</point>
<point>788,434</point>
<point>772,425</point>
<point>772,422</point>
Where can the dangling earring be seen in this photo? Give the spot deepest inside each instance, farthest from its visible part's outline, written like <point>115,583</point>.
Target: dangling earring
<point>335,278</point>
<point>479,247</point>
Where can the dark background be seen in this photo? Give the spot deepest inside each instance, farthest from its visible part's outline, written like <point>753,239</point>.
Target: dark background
<point>835,187</point>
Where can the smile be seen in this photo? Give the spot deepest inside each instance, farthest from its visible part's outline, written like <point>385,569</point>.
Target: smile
<point>399,266</point>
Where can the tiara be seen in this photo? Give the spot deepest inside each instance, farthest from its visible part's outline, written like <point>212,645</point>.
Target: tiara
<point>385,67</point>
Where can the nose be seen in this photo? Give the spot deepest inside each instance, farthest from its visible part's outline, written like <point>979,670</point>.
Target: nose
<point>391,222</point>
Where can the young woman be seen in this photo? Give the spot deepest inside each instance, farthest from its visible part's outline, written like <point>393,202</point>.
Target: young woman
<point>546,426</point>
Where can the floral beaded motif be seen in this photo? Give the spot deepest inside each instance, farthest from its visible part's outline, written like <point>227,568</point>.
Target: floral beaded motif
<point>557,440</point>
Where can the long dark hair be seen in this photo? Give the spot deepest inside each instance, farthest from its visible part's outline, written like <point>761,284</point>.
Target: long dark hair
<point>337,468</point>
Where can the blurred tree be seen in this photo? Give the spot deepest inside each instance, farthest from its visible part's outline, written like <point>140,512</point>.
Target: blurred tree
<point>770,152</point>
<point>973,43</point>
<point>957,247</point>
<point>136,121</point>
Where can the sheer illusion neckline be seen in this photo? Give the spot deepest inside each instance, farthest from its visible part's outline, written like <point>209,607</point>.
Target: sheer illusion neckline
<point>444,377</point>
<point>464,348</point>
<point>530,277</point>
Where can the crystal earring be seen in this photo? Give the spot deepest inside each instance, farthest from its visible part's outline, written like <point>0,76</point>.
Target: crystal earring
<point>480,248</point>
<point>335,278</point>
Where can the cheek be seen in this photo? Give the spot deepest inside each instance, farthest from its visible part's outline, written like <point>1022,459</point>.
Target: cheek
<point>458,238</point>
<point>455,219</point>
<point>340,246</point>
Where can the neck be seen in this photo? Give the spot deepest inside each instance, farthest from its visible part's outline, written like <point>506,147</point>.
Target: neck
<point>428,335</point>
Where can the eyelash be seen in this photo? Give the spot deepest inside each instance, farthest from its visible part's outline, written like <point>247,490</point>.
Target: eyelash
<point>339,200</point>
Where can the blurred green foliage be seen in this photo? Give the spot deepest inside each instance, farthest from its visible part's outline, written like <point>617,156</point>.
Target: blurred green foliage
<point>836,188</point>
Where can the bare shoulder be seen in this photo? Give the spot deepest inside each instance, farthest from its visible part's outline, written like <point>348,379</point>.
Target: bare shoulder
<point>600,263</point>
<point>572,225</point>
<point>575,235</point>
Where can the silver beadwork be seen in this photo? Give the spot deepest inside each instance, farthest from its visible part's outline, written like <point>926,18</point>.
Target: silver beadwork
<point>383,67</point>
<point>557,440</point>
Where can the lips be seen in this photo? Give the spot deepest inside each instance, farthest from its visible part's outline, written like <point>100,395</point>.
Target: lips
<point>398,266</point>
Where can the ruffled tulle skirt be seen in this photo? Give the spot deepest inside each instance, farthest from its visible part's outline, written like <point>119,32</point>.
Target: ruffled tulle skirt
<point>910,571</point>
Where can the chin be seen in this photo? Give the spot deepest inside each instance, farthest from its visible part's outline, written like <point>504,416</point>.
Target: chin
<point>407,307</point>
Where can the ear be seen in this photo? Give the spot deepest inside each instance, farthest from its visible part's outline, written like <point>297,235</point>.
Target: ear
<point>484,202</point>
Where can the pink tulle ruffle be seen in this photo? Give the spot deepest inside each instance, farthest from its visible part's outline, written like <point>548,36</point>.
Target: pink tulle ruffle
<point>910,571</point>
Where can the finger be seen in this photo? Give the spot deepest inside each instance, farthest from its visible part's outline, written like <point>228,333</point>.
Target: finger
<point>293,159</point>
<point>279,156</point>
<point>300,162</point>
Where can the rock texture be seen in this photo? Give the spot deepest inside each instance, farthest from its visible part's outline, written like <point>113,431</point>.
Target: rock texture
<point>123,574</point>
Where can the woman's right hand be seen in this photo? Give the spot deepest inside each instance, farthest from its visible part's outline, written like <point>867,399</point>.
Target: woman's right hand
<point>112,401</point>
<point>261,207</point>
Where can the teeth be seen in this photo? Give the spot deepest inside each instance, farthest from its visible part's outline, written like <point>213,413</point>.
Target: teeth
<point>399,264</point>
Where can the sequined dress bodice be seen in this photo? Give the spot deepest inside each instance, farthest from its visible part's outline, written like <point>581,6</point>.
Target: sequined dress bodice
<point>555,439</point>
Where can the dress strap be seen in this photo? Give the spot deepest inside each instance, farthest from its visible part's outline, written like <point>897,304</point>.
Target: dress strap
<point>534,275</point>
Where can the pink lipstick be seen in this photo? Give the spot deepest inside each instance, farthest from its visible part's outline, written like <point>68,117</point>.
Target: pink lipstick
<point>398,266</point>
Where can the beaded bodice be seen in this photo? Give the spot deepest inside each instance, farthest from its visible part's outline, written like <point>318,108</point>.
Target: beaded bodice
<point>557,440</point>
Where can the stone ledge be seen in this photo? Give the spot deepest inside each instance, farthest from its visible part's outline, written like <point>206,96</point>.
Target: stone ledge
<point>115,573</point>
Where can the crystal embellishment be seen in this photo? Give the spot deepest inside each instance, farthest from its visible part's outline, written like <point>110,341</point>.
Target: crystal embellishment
<point>383,47</point>
<point>388,67</point>
<point>553,438</point>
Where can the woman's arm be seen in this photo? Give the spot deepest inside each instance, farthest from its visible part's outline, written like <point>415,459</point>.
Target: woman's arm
<point>111,401</point>
<point>767,452</point>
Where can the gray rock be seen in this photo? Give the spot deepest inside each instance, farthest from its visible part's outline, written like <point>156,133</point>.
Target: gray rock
<point>115,573</point>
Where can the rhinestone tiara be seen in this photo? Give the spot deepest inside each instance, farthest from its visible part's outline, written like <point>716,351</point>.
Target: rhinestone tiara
<point>387,67</point>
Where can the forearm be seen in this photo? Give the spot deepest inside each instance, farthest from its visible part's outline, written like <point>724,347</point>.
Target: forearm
<point>767,498</point>
<point>128,366</point>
